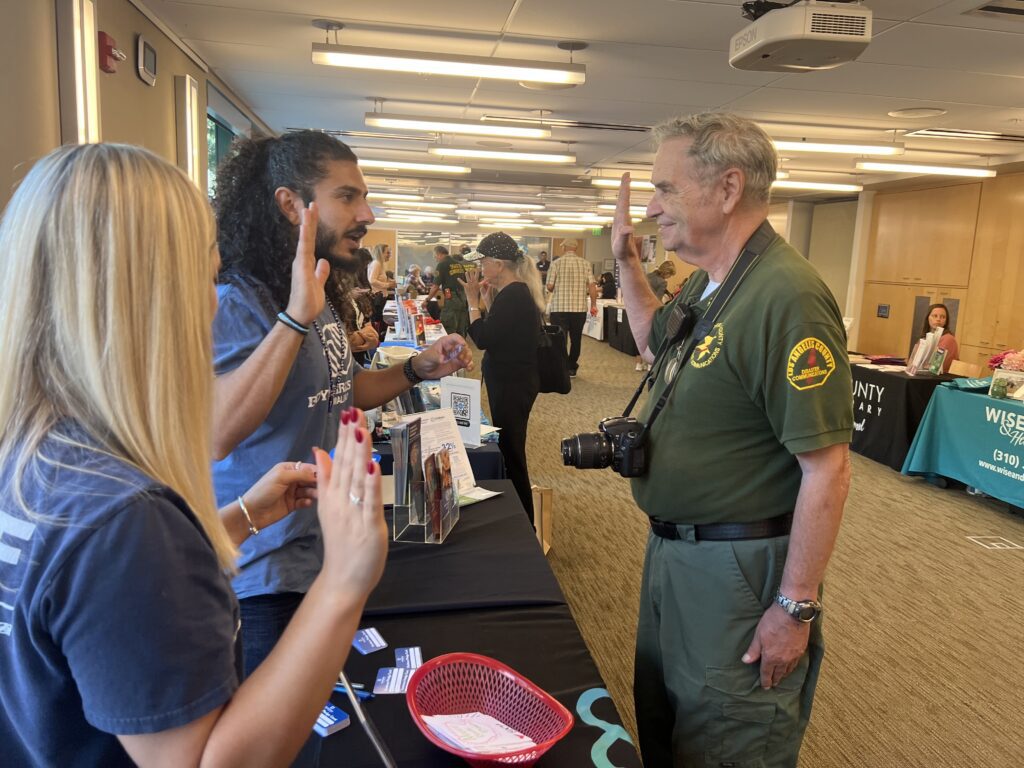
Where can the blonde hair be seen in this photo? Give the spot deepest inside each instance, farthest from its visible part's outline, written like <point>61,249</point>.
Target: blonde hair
<point>106,273</point>
<point>722,141</point>
<point>378,252</point>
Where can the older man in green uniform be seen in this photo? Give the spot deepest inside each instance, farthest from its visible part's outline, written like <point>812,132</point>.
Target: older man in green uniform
<point>748,463</point>
<point>454,309</point>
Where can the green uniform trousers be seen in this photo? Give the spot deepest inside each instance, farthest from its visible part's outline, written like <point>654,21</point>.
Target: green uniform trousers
<point>697,704</point>
<point>455,316</point>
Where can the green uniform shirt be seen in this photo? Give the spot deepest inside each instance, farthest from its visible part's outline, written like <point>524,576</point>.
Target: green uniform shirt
<point>449,271</point>
<point>772,380</point>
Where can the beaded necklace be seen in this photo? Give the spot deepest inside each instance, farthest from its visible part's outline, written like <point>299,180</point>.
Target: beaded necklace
<point>333,367</point>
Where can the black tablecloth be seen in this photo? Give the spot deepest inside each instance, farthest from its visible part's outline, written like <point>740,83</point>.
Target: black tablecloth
<point>541,643</point>
<point>617,333</point>
<point>486,461</point>
<point>887,409</point>
<point>490,559</point>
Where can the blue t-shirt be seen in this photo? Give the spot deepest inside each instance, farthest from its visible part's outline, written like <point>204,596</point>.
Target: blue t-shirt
<point>286,556</point>
<point>115,616</point>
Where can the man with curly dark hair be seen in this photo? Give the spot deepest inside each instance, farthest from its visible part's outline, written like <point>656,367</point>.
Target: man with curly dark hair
<point>291,214</point>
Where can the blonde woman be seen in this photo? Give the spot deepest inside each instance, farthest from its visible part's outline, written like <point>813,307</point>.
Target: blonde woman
<point>118,624</point>
<point>512,295</point>
<point>377,270</point>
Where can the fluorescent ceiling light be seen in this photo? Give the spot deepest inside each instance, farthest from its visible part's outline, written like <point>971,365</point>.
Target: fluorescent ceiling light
<point>396,165</point>
<point>567,227</point>
<point>389,196</point>
<point>417,214</point>
<point>455,125</point>
<point>938,170</point>
<point>526,157</point>
<point>569,214</point>
<point>503,225</point>
<point>634,210</point>
<point>505,206</point>
<point>501,215</point>
<point>837,147</point>
<point>401,202</point>
<point>402,220</point>
<point>818,185</point>
<point>782,174</point>
<point>615,183</point>
<point>456,65</point>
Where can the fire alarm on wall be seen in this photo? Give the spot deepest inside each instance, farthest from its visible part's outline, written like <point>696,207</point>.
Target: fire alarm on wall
<point>146,60</point>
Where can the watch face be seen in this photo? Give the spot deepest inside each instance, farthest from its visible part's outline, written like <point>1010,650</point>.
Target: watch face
<point>806,612</point>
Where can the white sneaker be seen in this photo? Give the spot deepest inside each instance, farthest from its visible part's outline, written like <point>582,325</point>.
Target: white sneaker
<point>639,367</point>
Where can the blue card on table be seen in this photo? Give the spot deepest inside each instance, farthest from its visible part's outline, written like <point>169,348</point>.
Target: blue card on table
<point>409,658</point>
<point>368,640</point>
<point>331,720</point>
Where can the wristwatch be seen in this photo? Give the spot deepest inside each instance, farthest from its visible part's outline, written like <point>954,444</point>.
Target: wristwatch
<point>804,611</point>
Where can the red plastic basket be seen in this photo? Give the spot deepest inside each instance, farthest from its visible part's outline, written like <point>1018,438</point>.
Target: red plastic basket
<point>466,682</point>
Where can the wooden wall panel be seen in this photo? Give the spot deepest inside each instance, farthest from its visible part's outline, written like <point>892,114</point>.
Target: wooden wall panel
<point>924,236</point>
<point>996,292</point>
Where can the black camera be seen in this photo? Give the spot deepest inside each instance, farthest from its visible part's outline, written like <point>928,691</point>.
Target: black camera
<point>620,443</point>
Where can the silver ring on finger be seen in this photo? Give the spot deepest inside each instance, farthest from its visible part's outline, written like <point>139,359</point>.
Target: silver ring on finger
<point>298,465</point>
<point>357,500</point>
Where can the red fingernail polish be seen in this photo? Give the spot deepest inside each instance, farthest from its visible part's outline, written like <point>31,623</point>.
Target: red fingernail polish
<point>344,418</point>
<point>359,435</point>
<point>370,465</point>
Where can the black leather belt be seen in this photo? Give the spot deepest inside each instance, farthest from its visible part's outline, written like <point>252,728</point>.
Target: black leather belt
<point>762,529</point>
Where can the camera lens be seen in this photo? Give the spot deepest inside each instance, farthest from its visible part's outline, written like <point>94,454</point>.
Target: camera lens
<point>587,451</point>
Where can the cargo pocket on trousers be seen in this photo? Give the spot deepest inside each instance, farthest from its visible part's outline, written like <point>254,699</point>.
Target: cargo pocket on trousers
<point>738,734</point>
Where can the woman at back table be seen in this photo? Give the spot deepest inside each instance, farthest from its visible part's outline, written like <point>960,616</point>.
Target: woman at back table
<point>938,317</point>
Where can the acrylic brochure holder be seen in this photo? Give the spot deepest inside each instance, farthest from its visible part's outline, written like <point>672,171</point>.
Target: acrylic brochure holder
<point>426,505</point>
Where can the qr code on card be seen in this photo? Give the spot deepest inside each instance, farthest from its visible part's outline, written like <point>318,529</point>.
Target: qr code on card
<point>460,405</point>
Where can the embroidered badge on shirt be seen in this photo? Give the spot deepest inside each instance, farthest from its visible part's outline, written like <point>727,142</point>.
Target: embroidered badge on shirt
<point>811,362</point>
<point>707,349</point>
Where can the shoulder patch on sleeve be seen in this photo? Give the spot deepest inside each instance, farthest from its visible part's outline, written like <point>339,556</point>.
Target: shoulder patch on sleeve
<point>810,364</point>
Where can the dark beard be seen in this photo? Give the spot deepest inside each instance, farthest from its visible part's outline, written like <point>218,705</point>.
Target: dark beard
<point>325,248</point>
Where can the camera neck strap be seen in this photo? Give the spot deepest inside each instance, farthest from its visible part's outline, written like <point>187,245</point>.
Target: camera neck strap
<point>749,256</point>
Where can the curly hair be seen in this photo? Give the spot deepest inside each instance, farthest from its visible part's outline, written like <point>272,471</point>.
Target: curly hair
<point>256,240</point>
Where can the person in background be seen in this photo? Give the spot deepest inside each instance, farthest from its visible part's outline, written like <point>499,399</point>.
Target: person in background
<point>606,285</point>
<point>363,335</point>
<point>938,317</point>
<point>284,368</point>
<point>571,282</point>
<point>748,465</point>
<point>658,281</point>
<point>414,285</point>
<point>543,265</point>
<point>451,270</point>
<point>377,272</point>
<point>118,625</point>
<point>512,295</point>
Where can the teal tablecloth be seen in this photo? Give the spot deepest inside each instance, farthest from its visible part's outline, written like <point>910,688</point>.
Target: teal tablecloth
<point>973,438</point>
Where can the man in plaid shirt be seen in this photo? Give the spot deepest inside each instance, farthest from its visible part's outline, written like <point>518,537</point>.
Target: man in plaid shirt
<point>571,281</point>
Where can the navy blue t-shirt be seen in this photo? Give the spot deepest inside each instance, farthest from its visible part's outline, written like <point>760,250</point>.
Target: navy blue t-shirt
<point>115,616</point>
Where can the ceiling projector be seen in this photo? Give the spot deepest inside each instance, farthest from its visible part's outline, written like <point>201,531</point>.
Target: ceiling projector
<point>804,37</point>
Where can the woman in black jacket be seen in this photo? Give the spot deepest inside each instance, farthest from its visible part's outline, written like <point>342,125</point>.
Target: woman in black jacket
<point>512,296</point>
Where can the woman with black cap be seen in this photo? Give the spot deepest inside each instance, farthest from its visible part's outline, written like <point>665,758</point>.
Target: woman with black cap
<point>512,296</point>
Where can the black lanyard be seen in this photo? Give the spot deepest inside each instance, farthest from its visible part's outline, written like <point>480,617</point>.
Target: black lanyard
<point>682,319</point>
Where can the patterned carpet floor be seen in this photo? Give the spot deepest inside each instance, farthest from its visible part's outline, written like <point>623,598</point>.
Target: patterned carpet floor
<point>924,627</point>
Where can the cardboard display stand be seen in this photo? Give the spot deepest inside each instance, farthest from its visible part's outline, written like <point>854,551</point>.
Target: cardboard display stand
<point>543,515</point>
